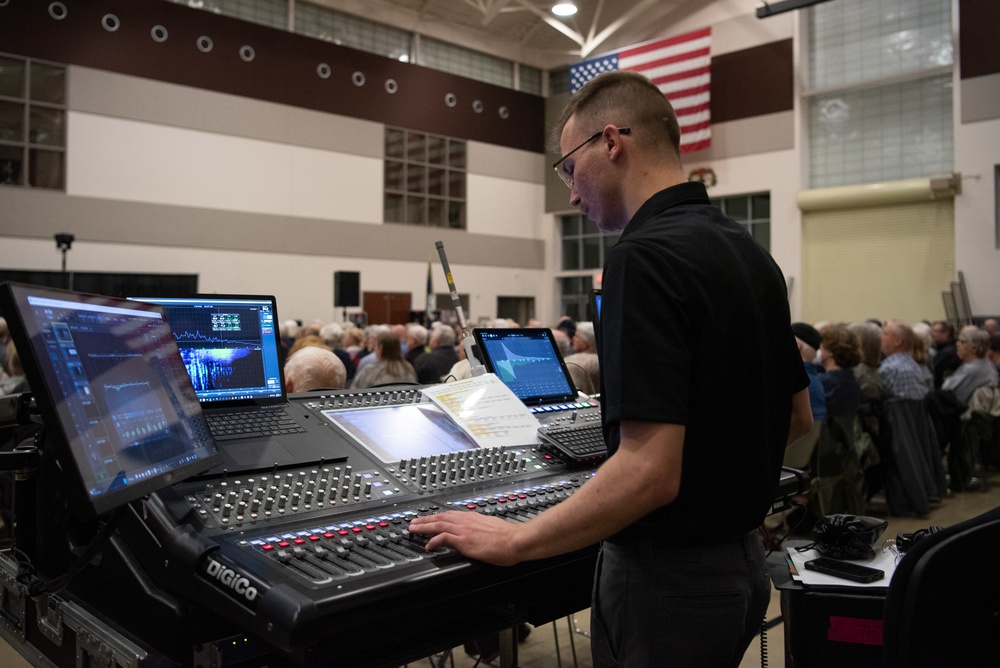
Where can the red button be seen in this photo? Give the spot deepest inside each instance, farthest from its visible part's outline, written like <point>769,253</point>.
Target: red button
<point>283,544</point>
<point>357,529</point>
<point>522,496</point>
<point>343,532</point>
<point>328,535</point>
<point>299,541</point>
<point>314,538</point>
<point>383,524</point>
<point>512,498</point>
<point>370,527</point>
<point>502,499</point>
<point>470,506</point>
<point>267,548</point>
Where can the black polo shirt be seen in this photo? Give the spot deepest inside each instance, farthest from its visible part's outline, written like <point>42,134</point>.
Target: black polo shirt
<point>695,331</point>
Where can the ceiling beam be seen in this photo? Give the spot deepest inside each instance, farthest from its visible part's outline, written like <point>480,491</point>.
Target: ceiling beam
<point>591,44</point>
<point>561,27</point>
<point>493,8</point>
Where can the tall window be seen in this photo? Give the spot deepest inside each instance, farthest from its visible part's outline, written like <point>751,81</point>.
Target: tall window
<point>879,90</point>
<point>32,123</point>
<point>583,250</point>
<point>424,179</point>
<point>752,212</point>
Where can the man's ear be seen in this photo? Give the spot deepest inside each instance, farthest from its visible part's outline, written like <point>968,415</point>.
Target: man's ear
<point>289,385</point>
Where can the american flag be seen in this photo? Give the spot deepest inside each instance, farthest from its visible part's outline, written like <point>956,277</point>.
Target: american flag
<point>679,66</point>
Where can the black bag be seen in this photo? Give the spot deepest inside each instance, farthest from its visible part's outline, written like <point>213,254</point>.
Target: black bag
<point>847,536</point>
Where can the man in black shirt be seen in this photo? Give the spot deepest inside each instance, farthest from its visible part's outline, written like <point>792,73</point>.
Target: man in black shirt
<point>946,359</point>
<point>696,441</point>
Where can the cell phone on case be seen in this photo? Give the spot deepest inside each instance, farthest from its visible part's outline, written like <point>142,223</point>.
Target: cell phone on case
<point>845,570</point>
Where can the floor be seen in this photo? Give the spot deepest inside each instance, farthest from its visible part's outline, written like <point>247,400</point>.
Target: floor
<point>564,643</point>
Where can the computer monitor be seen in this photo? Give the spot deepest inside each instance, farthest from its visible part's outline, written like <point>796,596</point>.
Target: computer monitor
<point>118,406</point>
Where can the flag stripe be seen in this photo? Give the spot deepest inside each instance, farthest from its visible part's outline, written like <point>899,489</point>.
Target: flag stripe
<point>664,43</point>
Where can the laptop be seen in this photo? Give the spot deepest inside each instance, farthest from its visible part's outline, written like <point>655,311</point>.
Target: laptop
<point>229,345</point>
<point>528,361</point>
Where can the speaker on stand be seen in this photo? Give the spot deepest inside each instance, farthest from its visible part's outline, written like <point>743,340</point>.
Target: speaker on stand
<point>346,289</point>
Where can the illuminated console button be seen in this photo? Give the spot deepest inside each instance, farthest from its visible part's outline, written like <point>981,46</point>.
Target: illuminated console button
<point>299,541</point>
<point>343,532</point>
<point>284,543</point>
<point>370,527</point>
<point>314,538</point>
<point>357,529</point>
<point>267,548</point>
<point>328,535</point>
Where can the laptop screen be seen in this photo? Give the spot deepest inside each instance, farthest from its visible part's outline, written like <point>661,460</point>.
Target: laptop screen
<point>229,344</point>
<point>527,360</point>
<point>109,379</point>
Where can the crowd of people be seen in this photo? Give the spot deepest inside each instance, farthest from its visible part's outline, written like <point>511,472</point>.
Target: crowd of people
<point>881,393</point>
<point>345,356</point>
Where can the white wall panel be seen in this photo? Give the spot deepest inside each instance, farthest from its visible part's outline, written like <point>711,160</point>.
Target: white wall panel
<point>504,207</point>
<point>302,284</point>
<point>137,161</point>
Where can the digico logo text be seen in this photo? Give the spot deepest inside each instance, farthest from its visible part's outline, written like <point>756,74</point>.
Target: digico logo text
<point>231,579</point>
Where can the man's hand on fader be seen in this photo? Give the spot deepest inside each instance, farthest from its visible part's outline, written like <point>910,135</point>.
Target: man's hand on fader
<point>488,539</point>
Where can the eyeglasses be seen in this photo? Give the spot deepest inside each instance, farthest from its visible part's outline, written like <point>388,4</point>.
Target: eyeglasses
<point>568,178</point>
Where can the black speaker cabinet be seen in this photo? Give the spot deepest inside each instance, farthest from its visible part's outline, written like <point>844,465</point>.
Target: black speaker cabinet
<point>347,288</point>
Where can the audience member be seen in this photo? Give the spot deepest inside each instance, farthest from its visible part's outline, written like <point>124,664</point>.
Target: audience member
<point>288,330</point>
<point>307,342</point>
<point>993,354</point>
<point>416,341</point>
<point>869,338</point>
<point>432,367</point>
<point>354,341</point>
<point>990,326</point>
<point>923,351</point>
<point>568,325</point>
<point>333,334</point>
<point>808,340</point>
<point>902,376</point>
<point>583,364</point>
<point>563,342</point>
<point>314,368</point>
<point>16,382</point>
<point>838,456</point>
<point>839,354</point>
<point>367,356</point>
<point>389,367</point>
<point>976,371</point>
<point>946,356</point>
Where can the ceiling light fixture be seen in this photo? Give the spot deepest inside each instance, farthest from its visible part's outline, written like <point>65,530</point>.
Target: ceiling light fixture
<point>564,9</point>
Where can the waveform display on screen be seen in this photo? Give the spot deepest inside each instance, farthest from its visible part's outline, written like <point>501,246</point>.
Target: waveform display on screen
<point>126,386</point>
<point>507,367</point>
<point>223,368</point>
<point>187,339</point>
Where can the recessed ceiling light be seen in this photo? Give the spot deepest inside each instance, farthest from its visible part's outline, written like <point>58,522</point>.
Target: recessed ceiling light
<point>564,9</point>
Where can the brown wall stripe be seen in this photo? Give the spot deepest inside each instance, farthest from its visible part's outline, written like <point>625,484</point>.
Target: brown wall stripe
<point>753,82</point>
<point>285,68</point>
<point>979,24</point>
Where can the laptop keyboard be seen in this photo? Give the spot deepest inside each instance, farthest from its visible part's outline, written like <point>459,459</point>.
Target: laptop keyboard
<point>247,424</point>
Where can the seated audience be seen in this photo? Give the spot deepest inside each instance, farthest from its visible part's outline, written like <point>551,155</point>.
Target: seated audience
<point>976,371</point>
<point>432,367</point>
<point>16,382</point>
<point>333,334</point>
<point>389,366</point>
<point>808,340</point>
<point>314,368</point>
<point>945,356</point>
<point>923,348</point>
<point>311,341</point>
<point>866,371</point>
<point>993,354</point>
<point>902,376</point>
<point>990,326</point>
<point>583,364</point>
<point>563,342</point>
<point>416,341</point>
<point>367,356</point>
<point>839,354</point>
